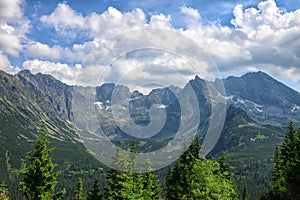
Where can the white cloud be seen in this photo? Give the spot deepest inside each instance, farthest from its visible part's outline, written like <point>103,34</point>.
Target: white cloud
<point>160,21</point>
<point>42,51</point>
<point>65,20</point>
<point>263,38</point>
<point>239,15</point>
<point>6,66</point>
<point>111,22</point>
<point>13,26</point>
<point>63,72</point>
<point>192,16</point>
<point>69,74</point>
<point>13,29</point>
<point>10,10</point>
<point>9,42</point>
<point>79,52</point>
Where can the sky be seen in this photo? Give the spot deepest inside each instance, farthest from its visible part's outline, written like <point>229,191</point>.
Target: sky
<point>141,43</point>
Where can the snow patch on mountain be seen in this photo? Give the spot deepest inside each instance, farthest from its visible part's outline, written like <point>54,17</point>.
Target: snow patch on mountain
<point>296,108</point>
<point>161,106</point>
<point>99,104</point>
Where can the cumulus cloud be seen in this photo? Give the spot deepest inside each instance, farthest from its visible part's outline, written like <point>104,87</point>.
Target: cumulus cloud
<point>271,36</point>
<point>13,27</point>
<point>41,51</point>
<point>63,72</point>
<point>65,20</point>
<point>160,21</point>
<point>69,74</point>
<point>6,66</point>
<point>259,36</point>
<point>10,10</point>
<point>192,16</point>
<point>111,22</point>
<point>9,42</point>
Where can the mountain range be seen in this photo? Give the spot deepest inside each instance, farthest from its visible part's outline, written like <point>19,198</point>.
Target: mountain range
<point>258,107</point>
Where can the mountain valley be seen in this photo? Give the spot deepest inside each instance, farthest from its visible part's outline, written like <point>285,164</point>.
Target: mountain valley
<point>258,109</point>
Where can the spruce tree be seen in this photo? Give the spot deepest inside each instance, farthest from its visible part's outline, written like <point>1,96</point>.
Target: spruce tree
<point>195,148</point>
<point>38,178</point>
<point>289,147</point>
<point>151,185</point>
<point>278,171</point>
<point>79,193</point>
<point>296,168</point>
<point>123,183</point>
<point>286,182</point>
<point>174,185</point>
<point>178,184</point>
<point>224,167</point>
<point>94,193</point>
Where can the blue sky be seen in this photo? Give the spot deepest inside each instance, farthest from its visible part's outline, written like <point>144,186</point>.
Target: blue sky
<point>56,37</point>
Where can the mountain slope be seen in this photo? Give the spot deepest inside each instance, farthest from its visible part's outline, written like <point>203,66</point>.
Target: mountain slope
<point>265,99</point>
<point>258,108</point>
<point>26,100</point>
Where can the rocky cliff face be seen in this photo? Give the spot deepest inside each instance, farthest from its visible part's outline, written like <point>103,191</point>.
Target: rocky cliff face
<point>53,96</point>
<point>263,98</point>
<point>30,99</point>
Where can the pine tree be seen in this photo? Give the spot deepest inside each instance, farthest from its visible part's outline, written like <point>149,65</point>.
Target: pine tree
<point>3,192</point>
<point>278,164</point>
<point>285,182</point>
<point>296,169</point>
<point>289,147</point>
<point>224,167</point>
<point>79,193</point>
<point>174,186</point>
<point>125,184</point>
<point>178,182</point>
<point>94,193</point>
<point>122,181</point>
<point>195,148</point>
<point>38,179</point>
<point>115,177</point>
<point>151,185</point>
